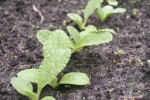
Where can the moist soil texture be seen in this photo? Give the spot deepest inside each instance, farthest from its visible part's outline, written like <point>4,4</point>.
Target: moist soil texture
<point>112,76</point>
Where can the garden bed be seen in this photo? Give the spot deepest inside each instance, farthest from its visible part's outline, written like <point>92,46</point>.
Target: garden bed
<point>127,75</point>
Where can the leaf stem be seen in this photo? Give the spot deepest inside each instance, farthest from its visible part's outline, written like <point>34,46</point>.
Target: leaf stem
<point>84,23</point>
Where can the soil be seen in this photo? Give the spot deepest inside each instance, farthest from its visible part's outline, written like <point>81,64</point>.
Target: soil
<point>126,75</point>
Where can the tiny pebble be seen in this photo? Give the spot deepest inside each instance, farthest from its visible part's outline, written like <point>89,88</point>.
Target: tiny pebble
<point>6,12</point>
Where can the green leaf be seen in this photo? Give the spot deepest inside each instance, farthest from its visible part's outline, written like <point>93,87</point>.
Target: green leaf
<point>104,12</point>
<point>75,78</point>
<point>90,28</point>
<point>56,55</point>
<point>74,33</point>
<point>93,38</point>
<point>77,18</point>
<point>72,43</point>
<point>48,98</point>
<point>108,30</point>
<point>24,87</point>
<point>30,75</point>
<point>90,7</point>
<point>53,83</point>
<point>119,10</point>
<point>43,35</point>
<point>112,2</point>
<point>83,33</point>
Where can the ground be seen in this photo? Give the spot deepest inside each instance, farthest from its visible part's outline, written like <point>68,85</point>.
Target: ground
<point>128,74</point>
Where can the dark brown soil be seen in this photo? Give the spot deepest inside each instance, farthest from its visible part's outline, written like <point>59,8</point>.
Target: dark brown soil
<point>20,49</point>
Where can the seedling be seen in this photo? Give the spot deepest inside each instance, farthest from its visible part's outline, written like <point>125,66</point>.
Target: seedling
<point>140,62</point>
<point>110,90</point>
<point>0,33</point>
<point>106,11</point>
<point>134,11</point>
<point>89,9</point>
<point>91,36</point>
<point>119,53</point>
<point>133,2</point>
<point>57,52</point>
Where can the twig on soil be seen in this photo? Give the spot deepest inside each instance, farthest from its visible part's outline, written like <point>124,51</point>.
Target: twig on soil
<point>36,10</point>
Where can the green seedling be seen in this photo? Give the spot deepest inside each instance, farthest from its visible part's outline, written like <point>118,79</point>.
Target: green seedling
<point>148,62</point>
<point>91,36</point>
<point>140,62</point>
<point>133,2</point>
<point>0,33</point>
<point>119,53</point>
<point>110,90</point>
<point>57,52</point>
<point>89,9</point>
<point>106,11</point>
<point>134,11</point>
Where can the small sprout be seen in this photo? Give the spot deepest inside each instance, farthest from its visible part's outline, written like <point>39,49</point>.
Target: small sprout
<point>110,90</point>
<point>118,29</point>
<point>61,0</point>
<point>83,98</point>
<point>1,33</point>
<point>119,53</point>
<point>143,33</point>
<point>106,11</point>
<point>64,23</point>
<point>134,11</point>
<point>34,26</point>
<point>74,2</point>
<point>89,10</point>
<point>124,36</point>
<point>26,2</point>
<point>133,2</point>
<point>51,26</point>
<point>148,62</point>
<point>130,62</point>
<point>140,62</point>
<point>67,86</point>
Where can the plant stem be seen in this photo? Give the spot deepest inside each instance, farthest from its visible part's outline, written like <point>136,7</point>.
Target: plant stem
<point>84,23</point>
<point>38,93</point>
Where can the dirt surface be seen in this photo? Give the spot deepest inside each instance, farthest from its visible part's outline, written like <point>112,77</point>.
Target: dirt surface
<point>20,49</point>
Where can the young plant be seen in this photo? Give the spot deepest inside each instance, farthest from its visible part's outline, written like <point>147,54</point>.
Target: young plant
<point>91,36</point>
<point>140,62</point>
<point>134,11</point>
<point>110,90</point>
<point>57,52</point>
<point>89,9</point>
<point>106,11</point>
<point>119,53</point>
